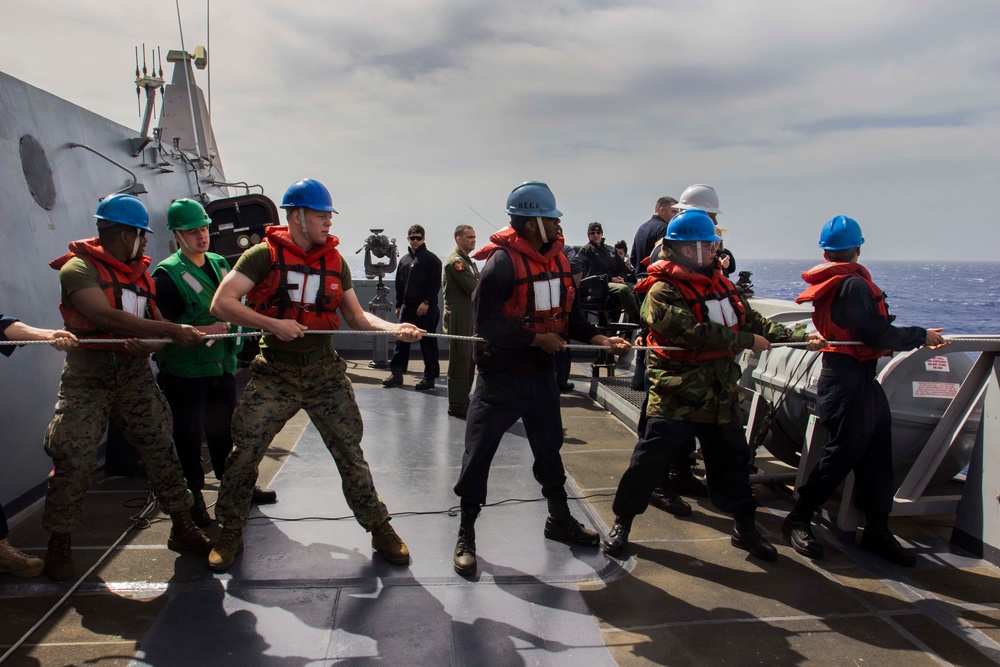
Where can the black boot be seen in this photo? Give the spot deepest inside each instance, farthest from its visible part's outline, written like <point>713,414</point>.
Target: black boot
<point>199,511</point>
<point>59,557</point>
<point>877,539</point>
<point>186,536</point>
<point>747,537</point>
<point>263,496</point>
<point>797,531</point>
<point>682,480</point>
<point>561,526</point>
<point>465,548</point>
<point>615,543</point>
<point>666,499</point>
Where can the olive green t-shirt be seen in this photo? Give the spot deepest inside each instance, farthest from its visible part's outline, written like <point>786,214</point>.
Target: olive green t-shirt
<point>255,264</point>
<point>77,274</point>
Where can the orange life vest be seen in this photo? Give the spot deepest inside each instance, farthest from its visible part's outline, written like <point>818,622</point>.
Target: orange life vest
<point>711,299</point>
<point>824,282</point>
<point>301,286</point>
<point>543,284</point>
<point>128,287</point>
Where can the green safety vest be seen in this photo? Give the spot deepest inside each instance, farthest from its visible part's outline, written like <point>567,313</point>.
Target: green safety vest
<point>197,291</point>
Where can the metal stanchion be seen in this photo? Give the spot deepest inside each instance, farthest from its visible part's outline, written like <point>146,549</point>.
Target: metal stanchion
<point>380,306</point>
<point>378,245</point>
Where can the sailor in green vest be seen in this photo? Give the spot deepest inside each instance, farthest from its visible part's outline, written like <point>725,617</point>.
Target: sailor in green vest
<point>198,381</point>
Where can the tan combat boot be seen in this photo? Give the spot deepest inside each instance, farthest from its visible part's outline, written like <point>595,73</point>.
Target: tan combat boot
<point>230,544</point>
<point>59,557</point>
<point>19,564</point>
<point>387,542</point>
<point>185,536</point>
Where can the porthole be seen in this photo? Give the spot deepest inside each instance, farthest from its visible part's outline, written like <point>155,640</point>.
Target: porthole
<point>37,172</point>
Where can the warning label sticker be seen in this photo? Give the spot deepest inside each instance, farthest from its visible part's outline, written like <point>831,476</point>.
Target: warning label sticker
<point>937,364</point>
<point>935,389</point>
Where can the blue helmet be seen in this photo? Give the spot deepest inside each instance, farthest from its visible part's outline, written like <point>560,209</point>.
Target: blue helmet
<point>692,225</point>
<point>125,210</point>
<point>841,233</point>
<point>308,193</point>
<point>533,199</point>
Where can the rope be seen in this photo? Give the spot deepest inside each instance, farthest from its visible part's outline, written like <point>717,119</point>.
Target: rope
<point>136,520</point>
<point>474,339</point>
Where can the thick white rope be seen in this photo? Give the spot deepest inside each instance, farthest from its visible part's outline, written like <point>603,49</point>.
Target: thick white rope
<point>474,339</point>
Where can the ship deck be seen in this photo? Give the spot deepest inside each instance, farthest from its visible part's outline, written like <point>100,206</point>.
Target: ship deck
<point>309,591</point>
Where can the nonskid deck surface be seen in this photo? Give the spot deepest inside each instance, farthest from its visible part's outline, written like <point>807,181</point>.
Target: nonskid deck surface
<point>311,592</point>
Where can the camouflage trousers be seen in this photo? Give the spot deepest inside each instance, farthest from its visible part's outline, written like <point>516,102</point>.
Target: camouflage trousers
<point>276,391</point>
<point>96,387</point>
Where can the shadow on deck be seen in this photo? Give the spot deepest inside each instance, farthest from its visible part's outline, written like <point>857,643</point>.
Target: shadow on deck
<point>308,590</point>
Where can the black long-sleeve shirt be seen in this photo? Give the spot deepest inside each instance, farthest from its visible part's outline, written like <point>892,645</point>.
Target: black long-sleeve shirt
<point>508,348</point>
<point>854,308</point>
<point>731,269</point>
<point>602,260</point>
<point>645,238</point>
<point>418,278</point>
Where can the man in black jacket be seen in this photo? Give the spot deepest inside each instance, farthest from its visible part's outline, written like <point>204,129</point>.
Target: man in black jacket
<point>418,281</point>
<point>850,402</point>
<point>600,259</point>
<point>524,309</point>
<point>646,237</point>
<point>650,232</point>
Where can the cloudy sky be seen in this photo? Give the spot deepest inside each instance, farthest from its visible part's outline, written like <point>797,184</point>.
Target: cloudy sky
<point>428,110</point>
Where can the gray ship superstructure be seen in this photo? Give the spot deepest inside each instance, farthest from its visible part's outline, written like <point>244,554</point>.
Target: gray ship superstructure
<point>58,161</point>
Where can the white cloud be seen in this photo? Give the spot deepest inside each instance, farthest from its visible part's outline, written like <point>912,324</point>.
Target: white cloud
<point>795,111</point>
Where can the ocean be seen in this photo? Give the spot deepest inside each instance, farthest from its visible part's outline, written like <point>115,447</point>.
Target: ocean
<point>962,297</point>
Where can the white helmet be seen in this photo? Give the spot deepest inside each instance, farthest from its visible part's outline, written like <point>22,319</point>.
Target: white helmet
<point>699,196</point>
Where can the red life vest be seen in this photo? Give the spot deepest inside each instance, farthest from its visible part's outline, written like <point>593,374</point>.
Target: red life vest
<point>824,283</point>
<point>128,287</point>
<point>301,286</point>
<point>711,299</point>
<point>543,284</point>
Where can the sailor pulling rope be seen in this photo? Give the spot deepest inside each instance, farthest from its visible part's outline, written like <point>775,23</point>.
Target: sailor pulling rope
<point>570,346</point>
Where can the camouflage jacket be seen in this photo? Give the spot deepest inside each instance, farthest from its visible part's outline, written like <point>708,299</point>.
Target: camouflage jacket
<point>702,391</point>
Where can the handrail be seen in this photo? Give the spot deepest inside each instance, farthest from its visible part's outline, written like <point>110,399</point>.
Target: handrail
<point>127,188</point>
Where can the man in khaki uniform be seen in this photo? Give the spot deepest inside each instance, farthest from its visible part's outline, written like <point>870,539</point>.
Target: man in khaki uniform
<point>459,280</point>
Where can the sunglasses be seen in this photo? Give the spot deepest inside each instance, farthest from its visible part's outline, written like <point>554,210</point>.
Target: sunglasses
<point>415,238</point>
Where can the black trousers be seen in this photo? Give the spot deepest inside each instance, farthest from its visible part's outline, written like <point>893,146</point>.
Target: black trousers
<point>727,464</point>
<point>561,363</point>
<point>201,406</point>
<point>855,412</point>
<point>681,457</point>
<point>428,346</point>
<point>497,403</point>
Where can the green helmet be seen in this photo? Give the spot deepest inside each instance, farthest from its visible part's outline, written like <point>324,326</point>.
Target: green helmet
<point>185,214</point>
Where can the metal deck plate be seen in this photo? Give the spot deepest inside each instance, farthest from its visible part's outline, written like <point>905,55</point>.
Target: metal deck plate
<point>312,591</point>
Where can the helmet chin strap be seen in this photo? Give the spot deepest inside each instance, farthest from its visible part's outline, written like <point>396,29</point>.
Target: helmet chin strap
<point>135,248</point>
<point>541,229</point>
<point>182,242</point>
<point>302,220</point>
